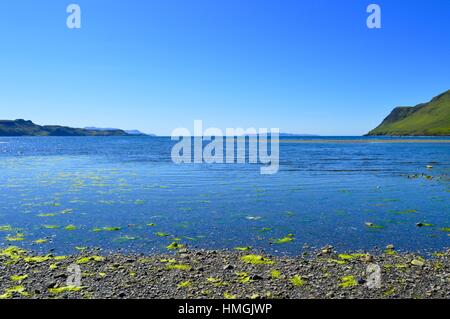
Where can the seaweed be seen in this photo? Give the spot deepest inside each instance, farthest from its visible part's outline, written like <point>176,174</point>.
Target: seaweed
<point>184,284</point>
<point>243,277</point>
<point>174,246</point>
<point>348,281</point>
<point>9,293</point>
<point>284,240</point>
<point>85,260</point>
<point>18,277</point>
<point>256,260</point>
<point>60,290</point>
<point>179,267</point>
<point>297,281</point>
<point>275,274</point>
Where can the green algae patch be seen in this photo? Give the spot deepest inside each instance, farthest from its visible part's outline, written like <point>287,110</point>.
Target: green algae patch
<point>124,239</point>
<point>85,260</point>
<point>184,284</point>
<point>257,260</point>
<point>445,229</point>
<point>396,266</point>
<point>19,278</point>
<point>161,234</point>
<point>389,292</point>
<point>227,295</point>
<point>151,225</point>
<point>337,261</point>
<point>59,258</point>
<point>351,256</point>
<point>37,259</point>
<point>243,277</point>
<point>9,293</point>
<point>5,228</point>
<point>287,239</point>
<point>50,226</point>
<point>217,282</point>
<point>61,290</point>
<point>419,262</point>
<point>17,237</point>
<point>13,252</point>
<point>47,215</point>
<point>373,226</point>
<point>70,227</point>
<point>174,246</point>
<point>390,252</point>
<point>297,281</point>
<point>41,241</point>
<point>97,230</point>
<point>265,229</point>
<point>179,267</point>
<point>348,281</point>
<point>247,248</point>
<point>170,261</point>
<point>424,225</point>
<point>275,274</point>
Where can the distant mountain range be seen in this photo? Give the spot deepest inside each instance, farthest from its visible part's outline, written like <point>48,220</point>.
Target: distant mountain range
<point>28,128</point>
<point>426,119</point>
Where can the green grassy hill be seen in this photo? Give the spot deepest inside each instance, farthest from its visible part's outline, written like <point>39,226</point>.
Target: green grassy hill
<point>28,128</point>
<point>427,119</point>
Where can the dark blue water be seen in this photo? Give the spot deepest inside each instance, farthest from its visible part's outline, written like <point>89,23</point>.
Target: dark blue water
<point>324,193</point>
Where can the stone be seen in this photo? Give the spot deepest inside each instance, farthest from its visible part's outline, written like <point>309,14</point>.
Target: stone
<point>417,262</point>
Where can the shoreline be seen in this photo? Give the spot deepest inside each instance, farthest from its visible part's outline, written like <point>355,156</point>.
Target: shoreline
<point>223,274</point>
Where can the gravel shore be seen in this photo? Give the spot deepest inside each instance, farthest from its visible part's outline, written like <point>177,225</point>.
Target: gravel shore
<point>197,274</point>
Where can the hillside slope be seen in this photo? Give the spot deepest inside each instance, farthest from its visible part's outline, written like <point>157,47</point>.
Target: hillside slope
<point>28,128</point>
<point>427,119</point>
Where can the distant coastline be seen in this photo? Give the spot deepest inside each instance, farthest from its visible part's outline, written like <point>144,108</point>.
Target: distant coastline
<point>22,127</point>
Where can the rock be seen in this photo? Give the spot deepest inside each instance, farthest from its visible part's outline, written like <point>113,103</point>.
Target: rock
<point>419,224</point>
<point>228,267</point>
<point>417,262</point>
<point>327,249</point>
<point>361,281</point>
<point>390,247</point>
<point>368,258</point>
<point>52,285</point>
<point>256,277</point>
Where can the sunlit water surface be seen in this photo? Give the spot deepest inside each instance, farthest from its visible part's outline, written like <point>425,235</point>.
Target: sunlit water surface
<point>324,193</point>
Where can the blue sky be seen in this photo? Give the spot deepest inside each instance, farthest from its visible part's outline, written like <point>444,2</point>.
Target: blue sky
<point>308,66</point>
